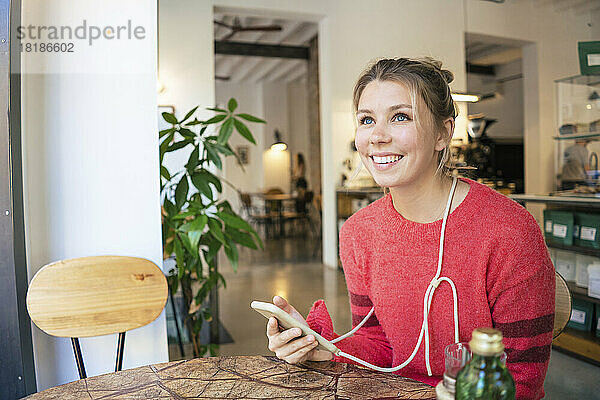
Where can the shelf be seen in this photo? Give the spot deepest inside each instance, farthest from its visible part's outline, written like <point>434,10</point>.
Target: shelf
<point>581,135</point>
<point>581,293</point>
<point>577,249</point>
<point>562,200</point>
<point>582,345</point>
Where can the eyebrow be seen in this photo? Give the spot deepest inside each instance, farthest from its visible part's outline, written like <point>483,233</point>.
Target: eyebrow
<point>392,108</point>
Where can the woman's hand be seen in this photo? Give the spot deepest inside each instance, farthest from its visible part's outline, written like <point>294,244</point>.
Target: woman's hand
<point>287,344</point>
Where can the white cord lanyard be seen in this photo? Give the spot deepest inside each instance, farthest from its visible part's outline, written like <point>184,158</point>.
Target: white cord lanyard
<point>435,282</point>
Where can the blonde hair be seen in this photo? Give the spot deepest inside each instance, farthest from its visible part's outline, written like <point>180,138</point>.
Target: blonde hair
<point>427,83</point>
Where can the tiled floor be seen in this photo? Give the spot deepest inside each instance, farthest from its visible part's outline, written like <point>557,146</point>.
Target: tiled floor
<point>289,268</point>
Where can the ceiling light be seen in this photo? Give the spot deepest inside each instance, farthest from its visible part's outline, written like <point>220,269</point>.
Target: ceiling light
<point>470,98</point>
<point>279,145</point>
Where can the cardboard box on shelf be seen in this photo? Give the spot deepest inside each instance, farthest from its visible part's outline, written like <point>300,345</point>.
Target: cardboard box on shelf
<point>594,280</point>
<point>562,226</point>
<point>565,264</point>
<point>582,262</point>
<point>581,315</point>
<point>589,230</point>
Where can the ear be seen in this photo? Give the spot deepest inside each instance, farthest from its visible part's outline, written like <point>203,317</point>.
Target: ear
<point>446,135</point>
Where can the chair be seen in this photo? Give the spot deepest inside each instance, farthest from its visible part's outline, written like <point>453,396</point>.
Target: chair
<point>303,210</point>
<point>562,305</point>
<point>253,214</point>
<point>93,296</point>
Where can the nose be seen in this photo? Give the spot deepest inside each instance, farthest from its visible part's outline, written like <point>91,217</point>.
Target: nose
<point>379,135</point>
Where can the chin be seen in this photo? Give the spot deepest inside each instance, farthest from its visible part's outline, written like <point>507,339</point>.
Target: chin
<point>388,181</point>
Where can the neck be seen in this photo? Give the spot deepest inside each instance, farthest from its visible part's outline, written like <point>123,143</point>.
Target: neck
<point>424,200</point>
<point>485,361</point>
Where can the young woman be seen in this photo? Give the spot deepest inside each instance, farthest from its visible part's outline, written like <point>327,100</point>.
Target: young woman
<point>436,257</point>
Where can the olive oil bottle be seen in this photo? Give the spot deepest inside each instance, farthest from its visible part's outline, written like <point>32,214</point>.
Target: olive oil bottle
<point>485,376</point>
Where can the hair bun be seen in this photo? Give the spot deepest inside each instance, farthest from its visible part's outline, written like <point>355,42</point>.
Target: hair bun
<point>448,76</point>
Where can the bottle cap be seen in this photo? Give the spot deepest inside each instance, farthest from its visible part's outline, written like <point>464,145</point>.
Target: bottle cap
<point>486,342</point>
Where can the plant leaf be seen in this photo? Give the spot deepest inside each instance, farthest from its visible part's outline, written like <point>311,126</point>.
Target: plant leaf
<point>225,131</point>
<point>177,145</point>
<point>240,237</point>
<point>224,149</point>
<point>232,254</point>
<point>181,192</point>
<point>196,225</point>
<point>220,110</point>
<point>170,207</point>
<point>194,122</point>
<point>164,145</point>
<point>186,133</point>
<point>165,132</point>
<point>212,179</point>
<point>215,230</point>
<point>170,118</point>
<point>187,244</point>
<point>232,104</point>
<point>214,157</point>
<point>200,182</point>
<point>194,238</point>
<point>215,119</point>
<point>189,114</point>
<point>193,161</point>
<point>243,130</point>
<point>164,172</point>
<point>234,221</point>
<point>251,118</point>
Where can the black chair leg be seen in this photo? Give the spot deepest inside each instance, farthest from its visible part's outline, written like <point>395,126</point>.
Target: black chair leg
<point>120,349</point>
<point>78,358</point>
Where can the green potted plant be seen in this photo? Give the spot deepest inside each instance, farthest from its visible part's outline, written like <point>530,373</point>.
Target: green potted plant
<point>196,222</point>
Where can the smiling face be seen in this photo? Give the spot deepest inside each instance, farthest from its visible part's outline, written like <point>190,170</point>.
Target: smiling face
<point>388,139</point>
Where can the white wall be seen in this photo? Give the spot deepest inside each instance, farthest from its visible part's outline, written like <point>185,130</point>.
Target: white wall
<point>507,108</point>
<point>275,108</point>
<point>90,160</point>
<point>185,42</point>
<point>297,100</point>
<point>351,33</point>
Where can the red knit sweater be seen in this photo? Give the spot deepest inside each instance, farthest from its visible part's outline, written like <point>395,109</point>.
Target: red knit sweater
<point>494,253</point>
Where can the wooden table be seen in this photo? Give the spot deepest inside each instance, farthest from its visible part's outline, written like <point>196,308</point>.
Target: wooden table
<point>274,204</point>
<point>242,377</point>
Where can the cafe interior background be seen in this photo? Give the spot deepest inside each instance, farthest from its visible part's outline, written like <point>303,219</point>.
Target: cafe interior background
<point>89,145</point>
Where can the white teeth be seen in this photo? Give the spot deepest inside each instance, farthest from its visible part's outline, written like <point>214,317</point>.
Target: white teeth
<point>386,159</point>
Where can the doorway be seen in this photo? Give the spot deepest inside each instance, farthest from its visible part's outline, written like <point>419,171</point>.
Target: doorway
<point>270,66</point>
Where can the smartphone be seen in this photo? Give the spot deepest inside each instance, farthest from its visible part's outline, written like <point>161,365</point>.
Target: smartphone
<point>286,321</point>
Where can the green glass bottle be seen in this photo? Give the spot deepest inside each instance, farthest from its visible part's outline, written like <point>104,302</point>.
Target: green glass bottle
<point>485,377</point>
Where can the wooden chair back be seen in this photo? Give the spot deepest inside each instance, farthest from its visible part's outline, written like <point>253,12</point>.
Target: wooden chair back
<point>562,305</point>
<point>94,296</point>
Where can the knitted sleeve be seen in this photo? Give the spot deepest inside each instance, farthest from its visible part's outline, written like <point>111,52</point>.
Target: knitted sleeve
<point>369,343</point>
<point>520,286</point>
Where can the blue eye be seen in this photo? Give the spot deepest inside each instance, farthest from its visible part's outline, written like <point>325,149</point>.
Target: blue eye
<point>400,117</point>
<point>366,120</point>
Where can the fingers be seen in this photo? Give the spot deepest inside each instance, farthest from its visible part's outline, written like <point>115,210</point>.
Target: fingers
<point>288,308</point>
<point>279,339</point>
<point>297,351</point>
<point>272,327</point>
<point>283,304</point>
